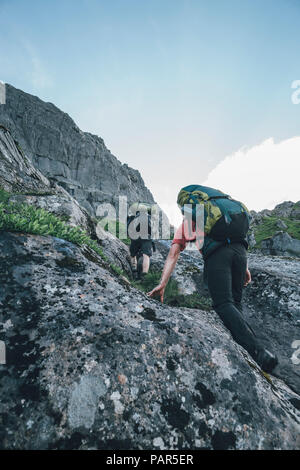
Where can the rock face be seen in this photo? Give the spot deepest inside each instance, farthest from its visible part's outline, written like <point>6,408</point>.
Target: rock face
<point>284,209</point>
<point>271,301</point>
<point>27,185</point>
<point>277,239</point>
<point>281,225</point>
<point>16,172</point>
<point>93,363</point>
<point>272,308</point>
<point>281,244</point>
<point>77,160</point>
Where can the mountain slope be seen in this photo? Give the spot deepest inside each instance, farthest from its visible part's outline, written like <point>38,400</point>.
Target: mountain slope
<point>78,161</point>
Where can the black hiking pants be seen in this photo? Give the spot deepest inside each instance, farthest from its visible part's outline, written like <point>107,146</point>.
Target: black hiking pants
<point>225,271</point>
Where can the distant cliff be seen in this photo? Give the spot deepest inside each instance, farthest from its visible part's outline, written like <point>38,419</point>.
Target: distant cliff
<point>78,161</point>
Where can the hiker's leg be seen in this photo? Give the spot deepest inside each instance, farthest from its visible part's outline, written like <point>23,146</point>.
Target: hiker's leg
<point>241,332</point>
<point>133,249</point>
<point>239,266</point>
<point>146,249</point>
<point>262,356</point>
<point>133,262</point>
<point>146,263</point>
<point>219,278</point>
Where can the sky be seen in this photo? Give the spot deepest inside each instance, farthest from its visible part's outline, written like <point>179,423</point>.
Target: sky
<point>185,91</point>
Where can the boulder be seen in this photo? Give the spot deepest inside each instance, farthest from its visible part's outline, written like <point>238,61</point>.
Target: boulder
<point>284,209</point>
<point>281,225</point>
<point>271,301</point>
<point>115,250</point>
<point>281,244</point>
<point>295,214</point>
<point>93,363</point>
<point>251,239</point>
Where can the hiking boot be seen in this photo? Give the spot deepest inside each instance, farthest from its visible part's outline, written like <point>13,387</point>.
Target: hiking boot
<point>266,360</point>
<point>135,274</point>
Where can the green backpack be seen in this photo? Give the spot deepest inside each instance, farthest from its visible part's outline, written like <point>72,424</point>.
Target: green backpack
<point>225,219</point>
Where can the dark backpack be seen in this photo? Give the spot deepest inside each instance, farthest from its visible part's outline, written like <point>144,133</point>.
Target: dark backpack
<point>224,217</point>
<point>133,217</point>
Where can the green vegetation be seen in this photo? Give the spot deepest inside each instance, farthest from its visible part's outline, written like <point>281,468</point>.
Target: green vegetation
<point>115,227</point>
<point>4,196</point>
<point>36,193</point>
<point>268,227</point>
<point>172,295</point>
<point>19,217</point>
<point>152,279</point>
<point>26,218</point>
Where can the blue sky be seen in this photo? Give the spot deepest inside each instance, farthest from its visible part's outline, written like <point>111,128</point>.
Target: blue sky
<point>173,86</point>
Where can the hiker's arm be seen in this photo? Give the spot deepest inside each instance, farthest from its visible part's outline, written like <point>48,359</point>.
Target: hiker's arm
<point>170,264</point>
<point>167,271</point>
<point>248,278</point>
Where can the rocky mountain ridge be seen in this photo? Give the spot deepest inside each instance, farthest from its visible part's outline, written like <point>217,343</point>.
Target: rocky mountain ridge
<point>277,231</point>
<point>78,161</point>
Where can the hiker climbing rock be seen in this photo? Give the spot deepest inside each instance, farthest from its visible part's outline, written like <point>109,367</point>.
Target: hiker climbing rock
<point>222,242</point>
<point>141,245</point>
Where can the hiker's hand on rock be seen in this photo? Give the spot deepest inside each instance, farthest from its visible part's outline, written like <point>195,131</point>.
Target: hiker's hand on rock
<point>248,277</point>
<point>158,290</point>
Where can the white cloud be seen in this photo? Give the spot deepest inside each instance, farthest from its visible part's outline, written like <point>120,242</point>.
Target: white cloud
<point>173,213</point>
<point>261,176</point>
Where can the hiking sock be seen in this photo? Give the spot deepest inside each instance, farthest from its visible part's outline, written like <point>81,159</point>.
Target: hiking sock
<point>134,274</point>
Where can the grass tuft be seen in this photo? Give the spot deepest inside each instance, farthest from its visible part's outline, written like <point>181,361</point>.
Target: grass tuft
<point>173,296</point>
<point>268,227</point>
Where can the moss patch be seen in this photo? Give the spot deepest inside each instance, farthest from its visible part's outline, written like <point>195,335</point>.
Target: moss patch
<point>20,217</point>
<point>115,227</point>
<point>4,196</point>
<point>268,227</point>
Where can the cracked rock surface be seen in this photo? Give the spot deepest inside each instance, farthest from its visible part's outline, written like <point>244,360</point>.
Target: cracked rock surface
<point>92,363</point>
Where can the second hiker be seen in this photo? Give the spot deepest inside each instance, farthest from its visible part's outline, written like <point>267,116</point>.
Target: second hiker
<point>141,245</point>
